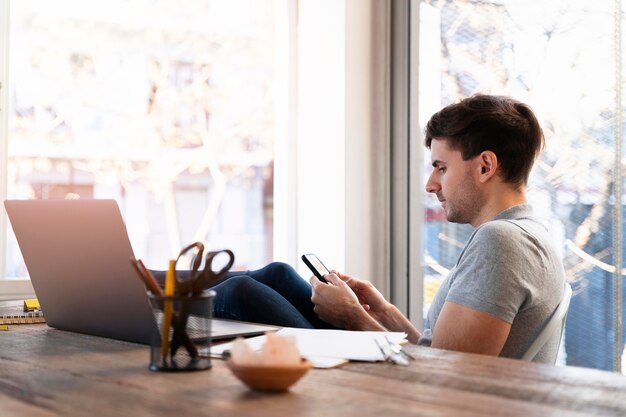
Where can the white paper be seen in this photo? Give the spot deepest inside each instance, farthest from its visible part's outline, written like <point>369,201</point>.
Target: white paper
<point>344,344</point>
<point>326,345</point>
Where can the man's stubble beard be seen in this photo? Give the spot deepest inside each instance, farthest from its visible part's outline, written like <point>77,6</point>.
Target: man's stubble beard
<point>468,202</point>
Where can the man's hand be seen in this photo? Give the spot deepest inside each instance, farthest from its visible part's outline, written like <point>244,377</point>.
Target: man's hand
<point>368,296</point>
<point>354,304</point>
<point>338,304</point>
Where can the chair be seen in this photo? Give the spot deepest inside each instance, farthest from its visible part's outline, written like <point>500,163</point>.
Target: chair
<point>556,321</point>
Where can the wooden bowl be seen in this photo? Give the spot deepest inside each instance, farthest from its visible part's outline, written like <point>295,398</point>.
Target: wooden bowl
<point>269,378</point>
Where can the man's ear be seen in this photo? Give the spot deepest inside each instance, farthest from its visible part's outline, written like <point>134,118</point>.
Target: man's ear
<point>487,165</point>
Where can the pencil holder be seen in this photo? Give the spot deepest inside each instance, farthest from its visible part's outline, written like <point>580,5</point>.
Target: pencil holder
<point>184,337</point>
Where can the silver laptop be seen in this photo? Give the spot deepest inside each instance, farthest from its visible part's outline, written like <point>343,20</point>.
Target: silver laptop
<point>77,254</point>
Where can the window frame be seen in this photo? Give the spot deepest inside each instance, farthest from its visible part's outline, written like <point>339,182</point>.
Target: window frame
<point>19,288</point>
<point>407,154</point>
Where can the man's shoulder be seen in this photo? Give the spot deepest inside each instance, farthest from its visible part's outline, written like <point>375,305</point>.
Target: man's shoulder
<point>516,237</point>
<point>495,229</point>
<point>492,239</point>
<point>508,234</point>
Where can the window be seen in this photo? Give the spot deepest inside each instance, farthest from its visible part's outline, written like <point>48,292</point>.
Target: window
<point>562,59</point>
<point>222,121</point>
<point>167,107</point>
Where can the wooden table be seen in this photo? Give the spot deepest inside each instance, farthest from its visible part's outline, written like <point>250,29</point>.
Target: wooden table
<point>47,372</point>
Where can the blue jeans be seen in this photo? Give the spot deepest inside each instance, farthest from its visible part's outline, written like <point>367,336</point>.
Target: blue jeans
<point>274,294</point>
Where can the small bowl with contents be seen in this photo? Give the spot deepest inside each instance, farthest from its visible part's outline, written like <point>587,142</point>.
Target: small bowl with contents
<point>276,368</point>
<point>269,378</point>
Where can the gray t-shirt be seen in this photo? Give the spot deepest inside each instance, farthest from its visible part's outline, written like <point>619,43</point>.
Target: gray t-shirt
<point>508,269</point>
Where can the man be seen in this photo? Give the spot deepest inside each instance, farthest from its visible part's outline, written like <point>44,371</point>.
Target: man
<point>509,278</point>
<point>507,281</point>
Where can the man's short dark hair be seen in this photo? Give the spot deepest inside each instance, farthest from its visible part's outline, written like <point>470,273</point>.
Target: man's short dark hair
<point>499,124</point>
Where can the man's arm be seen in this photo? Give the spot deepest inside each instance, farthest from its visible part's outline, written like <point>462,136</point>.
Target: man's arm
<point>395,321</point>
<point>464,329</point>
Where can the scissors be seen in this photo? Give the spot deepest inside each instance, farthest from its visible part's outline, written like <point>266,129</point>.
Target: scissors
<point>192,284</point>
<point>198,280</point>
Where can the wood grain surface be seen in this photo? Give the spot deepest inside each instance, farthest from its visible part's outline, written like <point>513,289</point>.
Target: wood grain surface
<point>48,372</point>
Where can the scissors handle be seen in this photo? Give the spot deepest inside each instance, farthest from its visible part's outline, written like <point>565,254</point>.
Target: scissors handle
<point>184,281</point>
<point>209,261</point>
<point>210,276</point>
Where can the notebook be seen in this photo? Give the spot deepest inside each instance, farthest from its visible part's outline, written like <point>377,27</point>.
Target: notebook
<point>77,255</point>
<point>12,312</point>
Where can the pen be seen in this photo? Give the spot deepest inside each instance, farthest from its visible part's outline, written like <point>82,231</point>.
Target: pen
<point>151,281</point>
<point>147,277</point>
<point>389,355</point>
<point>397,348</point>
<point>167,310</point>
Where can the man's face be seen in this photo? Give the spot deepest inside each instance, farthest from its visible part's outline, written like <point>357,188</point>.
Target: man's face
<point>453,182</point>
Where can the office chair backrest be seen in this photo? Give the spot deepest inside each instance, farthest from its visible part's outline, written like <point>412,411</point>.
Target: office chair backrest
<point>555,322</point>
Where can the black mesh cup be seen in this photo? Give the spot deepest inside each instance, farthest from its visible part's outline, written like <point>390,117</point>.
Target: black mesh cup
<point>183,340</point>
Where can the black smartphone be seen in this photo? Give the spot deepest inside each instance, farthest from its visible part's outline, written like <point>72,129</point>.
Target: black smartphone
<point>315,265</point>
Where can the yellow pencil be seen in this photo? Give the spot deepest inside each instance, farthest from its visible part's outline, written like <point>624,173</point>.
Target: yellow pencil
<point>167,310</point>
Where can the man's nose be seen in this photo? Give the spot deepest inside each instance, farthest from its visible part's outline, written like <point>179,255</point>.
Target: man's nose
<point>432,186</point>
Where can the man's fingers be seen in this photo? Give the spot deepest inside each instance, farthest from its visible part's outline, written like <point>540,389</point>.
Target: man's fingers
<point>314,281</point>
<point>344,277</point>
<point>332,278</point>
<point>350,281</point>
